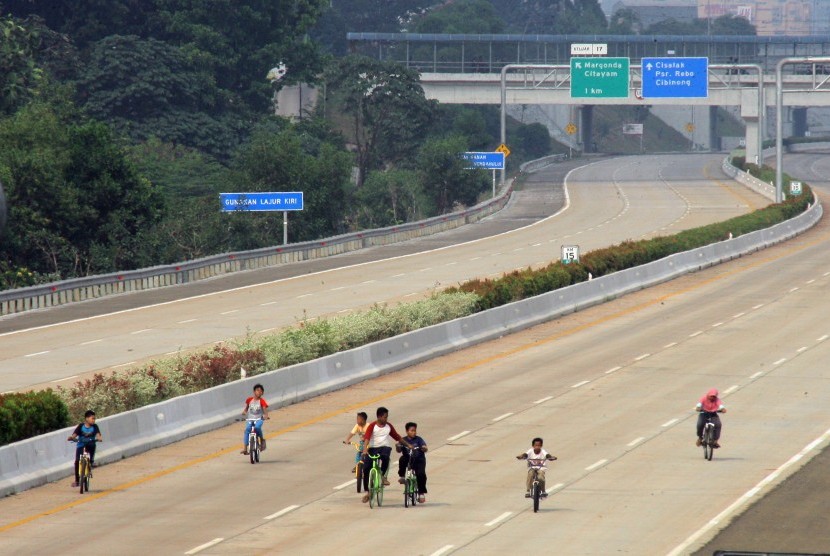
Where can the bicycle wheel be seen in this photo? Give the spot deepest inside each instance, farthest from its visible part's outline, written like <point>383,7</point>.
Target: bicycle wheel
<point>536,496</point>
<point>380,495</point>
<point>413,490</point>
<point>358,475</point>
<point>406,494</point>
<point>82,474</point>
<point>374,484</point>
<point>708,448</point>
<point>252,448</point>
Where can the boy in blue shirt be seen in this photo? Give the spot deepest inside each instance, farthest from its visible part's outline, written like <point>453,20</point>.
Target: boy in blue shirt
<point>87,434</point>
<point>419,460</point>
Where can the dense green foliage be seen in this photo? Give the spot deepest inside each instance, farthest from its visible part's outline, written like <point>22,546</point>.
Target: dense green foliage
<point>30,414</point>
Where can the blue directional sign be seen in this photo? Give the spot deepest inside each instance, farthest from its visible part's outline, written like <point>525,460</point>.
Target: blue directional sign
<point>259,202</point>
<point>675,77</point>
<point>489,161</point>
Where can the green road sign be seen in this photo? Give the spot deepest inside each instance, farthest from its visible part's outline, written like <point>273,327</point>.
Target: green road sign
<point>599,77</point>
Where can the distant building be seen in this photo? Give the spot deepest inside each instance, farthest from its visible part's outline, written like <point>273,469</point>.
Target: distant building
<point>655,11</point>
<point>774,17</point>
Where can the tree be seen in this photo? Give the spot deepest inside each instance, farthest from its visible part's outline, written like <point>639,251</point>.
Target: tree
<point>463,16</point>
<point>76,204</point>
<point>387,109</point>
<point>19,73</point>
<point>532,140</point>
<point>391,197</point>
<point>444,176</point>
<point>147,88</point>
<point>555,17</point>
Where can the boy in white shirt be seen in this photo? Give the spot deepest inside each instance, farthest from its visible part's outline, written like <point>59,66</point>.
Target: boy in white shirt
<point>537,457</point>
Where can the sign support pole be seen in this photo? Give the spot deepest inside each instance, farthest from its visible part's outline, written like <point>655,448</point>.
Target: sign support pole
<point>285,227</point>
<point>494,184</point>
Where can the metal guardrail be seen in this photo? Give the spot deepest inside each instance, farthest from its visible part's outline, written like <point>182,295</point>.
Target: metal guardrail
<point>91,287</point>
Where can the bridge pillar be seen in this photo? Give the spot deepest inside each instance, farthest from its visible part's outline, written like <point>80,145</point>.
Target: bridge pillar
<point>753,140</point>
<point>714,140</point>
<point>799,122</point>
<point>586,113</point>
<point>752,115</point>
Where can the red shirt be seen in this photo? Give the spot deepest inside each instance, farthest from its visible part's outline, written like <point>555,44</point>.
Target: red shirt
<point>378,436</point>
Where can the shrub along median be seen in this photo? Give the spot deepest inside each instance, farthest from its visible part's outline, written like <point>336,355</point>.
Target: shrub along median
<point>313,338</point>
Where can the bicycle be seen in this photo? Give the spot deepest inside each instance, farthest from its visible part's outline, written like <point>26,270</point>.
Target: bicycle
<point>536,492</point>
<point>375,482</point>
<point>84,470</point>
<point>358,465</point>
<point>254,442</point>
<point>410,483</point>
<point>708,438</point>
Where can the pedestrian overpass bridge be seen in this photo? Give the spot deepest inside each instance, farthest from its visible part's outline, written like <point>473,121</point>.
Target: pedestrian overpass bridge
<point>742,85</point>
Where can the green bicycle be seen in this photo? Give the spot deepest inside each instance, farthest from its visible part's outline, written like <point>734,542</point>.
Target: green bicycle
<point>375,482</point>
<point>410,483</point>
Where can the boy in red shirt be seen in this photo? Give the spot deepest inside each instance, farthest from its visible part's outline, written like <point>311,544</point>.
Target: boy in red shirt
<point>255,410</point>
<point>376,442</point>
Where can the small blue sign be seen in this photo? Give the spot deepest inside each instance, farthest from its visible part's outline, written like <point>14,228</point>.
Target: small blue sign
<point>675,77</point>
<point>259,202</point>
<point>488,161</point>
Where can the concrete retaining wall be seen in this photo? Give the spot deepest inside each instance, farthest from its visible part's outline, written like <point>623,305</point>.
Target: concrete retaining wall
<point>48,457</point>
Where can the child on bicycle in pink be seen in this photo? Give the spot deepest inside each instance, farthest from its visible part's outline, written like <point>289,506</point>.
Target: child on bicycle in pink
<point>255,411</point>
<point>359,429</point>
<point>87,434</point>
<point>709,406</point>
<point>536,458</point>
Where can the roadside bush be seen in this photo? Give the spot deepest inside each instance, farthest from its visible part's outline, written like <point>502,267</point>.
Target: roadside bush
<point>30,414</point>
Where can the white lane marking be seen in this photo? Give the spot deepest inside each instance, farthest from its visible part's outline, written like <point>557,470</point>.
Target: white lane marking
<point>282,512</point>
<point>780,361</point>
<point>578,384</point>
<point>91,342</point>
<point>475,258</point>
<point>443,550</point>
<point>425,269</point>
<point>636,441</point>
<point>191,320</point>
<point>730,389</point>
<point>758,306</point>
<point>268,303</point>
<point>593,466</point>
<point>67,378</point>
<point>36,354</point>
<point>457,436</point>
<point>543,400</point>
<point>229,312</point>
<point>337,289</point>
<point>717,324</point>
<point>643,356</point>
<point>739,315</point>
<point>793,289</point>
<point>264,330</point>
<point>496,254</point>
<point>536,244</point>
<point>201,547</point>
<point>123,364</point>
<point>693,538</point>
<point>305,295</point>
<point>698,333</point>
<point>810,281</point>
<point>500,417</point>
<point>802,348</point>
<point>502,517</point>
<point>756,375</point>
<point>369,282</point>
<point>142,331</point>
<point>669,423</point>
<point>344,485</point>
<point>411,294</point>
<point>344,310</point>
<point>613,370</point>
<point>450,264</point>
<point>519,249</point>
<point>822,338</point>
<point>399,275</point>
<point>672,344</point>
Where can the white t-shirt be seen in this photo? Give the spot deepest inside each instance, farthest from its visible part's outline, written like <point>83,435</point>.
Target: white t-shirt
<point>539,461</point>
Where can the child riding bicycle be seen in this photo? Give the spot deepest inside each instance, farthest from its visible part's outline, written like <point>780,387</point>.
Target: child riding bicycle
<point>255,411</point>
<point>537,458</point>
<point>418,460</point>
<point>377,443</point>
<point>709,406</point>
<point>87,434</point>
<point>359,429</point>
